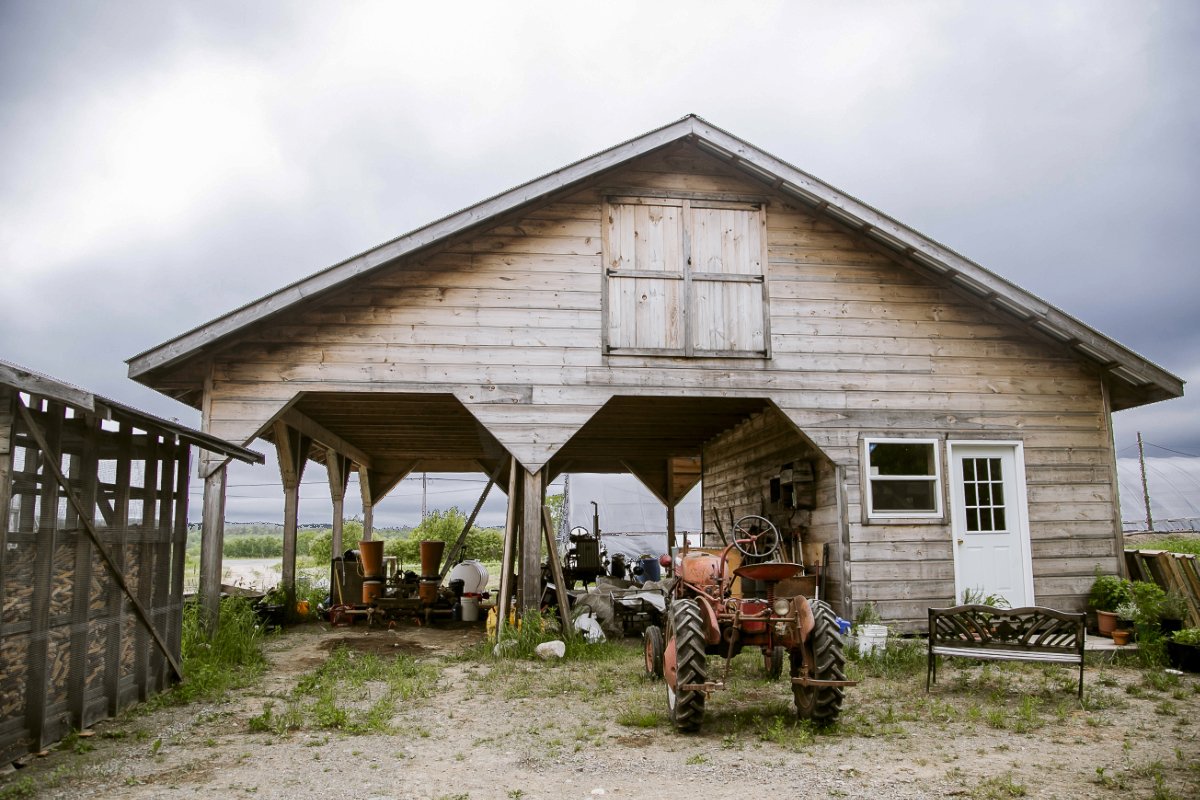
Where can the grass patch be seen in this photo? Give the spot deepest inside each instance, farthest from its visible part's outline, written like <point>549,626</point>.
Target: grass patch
<point>214,666</point>
<point>634,718</point>
<point>998,787</point>
<point>352,692</point>
<point>1175,544</point>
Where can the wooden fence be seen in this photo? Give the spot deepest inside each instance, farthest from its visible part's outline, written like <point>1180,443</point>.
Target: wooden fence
<point>1178,572</point>
<point>93,523</point>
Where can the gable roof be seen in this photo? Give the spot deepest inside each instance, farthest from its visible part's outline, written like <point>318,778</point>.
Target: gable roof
<point>1138,380</point>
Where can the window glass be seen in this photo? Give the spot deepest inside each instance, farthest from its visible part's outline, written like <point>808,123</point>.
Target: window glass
<point>902,478</point>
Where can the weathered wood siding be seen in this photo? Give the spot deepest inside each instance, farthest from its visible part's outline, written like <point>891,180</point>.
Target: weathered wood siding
<point>859,345</point>
<point>738,467</point>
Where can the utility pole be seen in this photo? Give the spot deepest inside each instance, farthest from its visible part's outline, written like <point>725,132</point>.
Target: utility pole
<point>564,524</point>
<point>424,496</point>
<point>1145,486</point>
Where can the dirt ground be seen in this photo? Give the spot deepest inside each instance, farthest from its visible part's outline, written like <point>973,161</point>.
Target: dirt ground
<point>581,729</point>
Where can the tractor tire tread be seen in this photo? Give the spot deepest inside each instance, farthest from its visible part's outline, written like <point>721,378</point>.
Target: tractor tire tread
<point>690,665</point>
<point>823,704</point>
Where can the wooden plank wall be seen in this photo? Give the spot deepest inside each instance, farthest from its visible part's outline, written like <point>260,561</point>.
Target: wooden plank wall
<point>71,649</point>
<point>859,345</point>
<point>738,467</point>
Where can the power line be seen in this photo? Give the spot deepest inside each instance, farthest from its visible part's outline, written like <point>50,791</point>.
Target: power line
<point>1169,450</point>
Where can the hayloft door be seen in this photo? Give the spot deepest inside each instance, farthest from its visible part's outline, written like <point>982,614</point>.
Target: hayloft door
<point>990,522</point>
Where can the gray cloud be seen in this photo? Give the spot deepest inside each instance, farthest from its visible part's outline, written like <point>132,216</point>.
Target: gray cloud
<point>166,162</point>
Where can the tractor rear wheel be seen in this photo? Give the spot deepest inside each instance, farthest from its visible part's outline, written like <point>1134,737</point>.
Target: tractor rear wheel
<point>686,632</point>
<point>653,645</point>
<point>822,704</point>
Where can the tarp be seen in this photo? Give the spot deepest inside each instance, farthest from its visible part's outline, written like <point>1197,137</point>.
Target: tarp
<point>1174,485</point>
<point>632,520</point>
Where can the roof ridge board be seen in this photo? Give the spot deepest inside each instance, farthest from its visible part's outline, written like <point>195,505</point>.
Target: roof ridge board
<point>1039,307</point>
<point>381,254</point>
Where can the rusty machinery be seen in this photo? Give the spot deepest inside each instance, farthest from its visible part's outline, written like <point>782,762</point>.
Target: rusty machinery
<point>703,618</point>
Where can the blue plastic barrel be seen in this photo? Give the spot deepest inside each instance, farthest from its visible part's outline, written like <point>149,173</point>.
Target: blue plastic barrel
<point>651,570</point>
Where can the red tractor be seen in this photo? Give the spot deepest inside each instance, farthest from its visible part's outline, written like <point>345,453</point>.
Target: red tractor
<point>704,619</point>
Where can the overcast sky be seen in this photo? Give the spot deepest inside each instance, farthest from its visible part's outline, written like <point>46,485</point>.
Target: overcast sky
<point>162,163</point>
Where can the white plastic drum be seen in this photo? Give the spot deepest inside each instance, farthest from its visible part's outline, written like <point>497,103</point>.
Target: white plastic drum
<point>473,574</point>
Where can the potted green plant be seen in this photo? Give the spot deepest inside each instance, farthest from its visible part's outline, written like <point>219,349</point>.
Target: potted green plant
<point>1108,592</point>
<point>1172,612</point>
<point>1127,614</point>
<point>1183,649</point>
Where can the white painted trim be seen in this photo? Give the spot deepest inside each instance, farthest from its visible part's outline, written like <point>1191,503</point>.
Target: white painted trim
<point>1020,506</point>
<point>865,467</point>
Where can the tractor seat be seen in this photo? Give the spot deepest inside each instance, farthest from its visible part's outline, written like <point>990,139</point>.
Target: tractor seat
<point>771,571</point>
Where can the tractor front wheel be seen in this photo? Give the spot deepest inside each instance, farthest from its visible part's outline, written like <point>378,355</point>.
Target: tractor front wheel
<point>826,661</point>
<point>773,662</point>
<point>653,644</point>
<point>685,653</point>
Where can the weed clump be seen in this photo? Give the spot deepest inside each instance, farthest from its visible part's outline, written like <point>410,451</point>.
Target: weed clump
<point>230,659</point>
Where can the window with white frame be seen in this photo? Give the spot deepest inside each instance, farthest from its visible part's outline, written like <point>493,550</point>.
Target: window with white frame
<point>902,478</point>
<point>685,277</point>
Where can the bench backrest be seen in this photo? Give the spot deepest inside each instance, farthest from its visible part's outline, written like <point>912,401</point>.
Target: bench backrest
<point>1016,629</point>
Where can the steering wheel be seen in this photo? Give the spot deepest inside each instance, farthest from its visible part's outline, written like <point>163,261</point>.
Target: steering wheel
<point>755,537</point>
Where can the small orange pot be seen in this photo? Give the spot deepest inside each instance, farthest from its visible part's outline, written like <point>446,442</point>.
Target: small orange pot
<point>1121,636</point>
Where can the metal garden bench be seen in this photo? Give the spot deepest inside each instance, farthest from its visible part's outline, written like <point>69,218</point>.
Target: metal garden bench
<point>1005,634</point>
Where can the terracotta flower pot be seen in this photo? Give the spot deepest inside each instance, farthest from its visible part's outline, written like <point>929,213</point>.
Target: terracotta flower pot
<point>1121,636</point>
<point>1106,623</point>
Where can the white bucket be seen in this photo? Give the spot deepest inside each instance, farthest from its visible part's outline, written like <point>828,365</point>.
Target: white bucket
<point>473,574</point>
<point>470,609</point>
<point>871,638</point>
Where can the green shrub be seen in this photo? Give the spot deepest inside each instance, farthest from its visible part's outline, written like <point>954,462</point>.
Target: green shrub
<point>1148,598</point>
<point>1174,606</point>
<point>320,547</point>
<point>483,544</point>
<point>1187,636</point>
<point>253,547</point>
<point>232,658</point>
<point>1108,592</point>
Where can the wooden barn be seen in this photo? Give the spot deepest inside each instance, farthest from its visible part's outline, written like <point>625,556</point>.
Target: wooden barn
<point>685,305</point>
<point>93,500</point>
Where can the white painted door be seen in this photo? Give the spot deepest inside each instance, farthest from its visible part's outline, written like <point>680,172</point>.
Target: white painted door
<point>990,521</point>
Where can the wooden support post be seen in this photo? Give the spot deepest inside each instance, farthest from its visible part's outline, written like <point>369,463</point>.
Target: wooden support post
<point>36,681</point>
<point>147,564</point>
<point>178,548</point>
<point>672,501</point>
<point>292,449</point>
<point>368,503</point>
<point>84,469</point>
<point>560,585</point>
<point>120,537</point>
<point>453,552</point>
<point>212,540</point>
<point>531,543</point>
<point>338,467</point>
<point>843,513</point>
<point>510,547</point>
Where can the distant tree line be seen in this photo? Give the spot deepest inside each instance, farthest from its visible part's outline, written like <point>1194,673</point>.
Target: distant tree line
<point>265,540</point>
